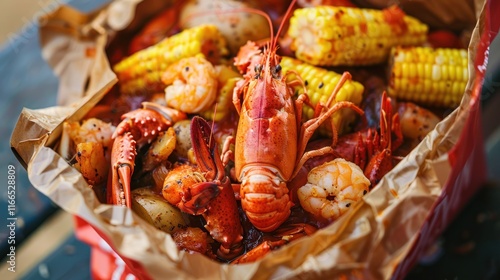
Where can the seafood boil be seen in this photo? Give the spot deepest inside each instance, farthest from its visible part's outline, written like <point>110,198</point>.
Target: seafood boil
<point>238,153</point>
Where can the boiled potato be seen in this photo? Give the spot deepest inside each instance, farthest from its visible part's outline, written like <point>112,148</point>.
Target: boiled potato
<point>156,210</point>
<point>183,138</point>
<point>237,27</point>
<point>92,162</point>
<point>160,149</point>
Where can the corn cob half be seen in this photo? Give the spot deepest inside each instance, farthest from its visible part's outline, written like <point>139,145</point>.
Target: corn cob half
<point>319,84</point>
<point>332,36</point>
<point>141,72</point>
<point>428,76</point>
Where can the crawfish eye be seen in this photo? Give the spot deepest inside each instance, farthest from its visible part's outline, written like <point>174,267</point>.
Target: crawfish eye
<point>258,69</point>
<point>277,69</point>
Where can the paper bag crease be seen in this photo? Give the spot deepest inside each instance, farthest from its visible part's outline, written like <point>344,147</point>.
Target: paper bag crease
<point>368,241</point>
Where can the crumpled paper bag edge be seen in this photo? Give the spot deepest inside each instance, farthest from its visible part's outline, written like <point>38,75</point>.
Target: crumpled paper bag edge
<point>260,268</point>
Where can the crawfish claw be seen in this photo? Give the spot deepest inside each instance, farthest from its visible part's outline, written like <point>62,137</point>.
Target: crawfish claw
<point>222,216</point>
<point>123,173</point>
<point>171,115</point>
<point>122,164</point>
<point>200,196</point>
<point>206,152</point>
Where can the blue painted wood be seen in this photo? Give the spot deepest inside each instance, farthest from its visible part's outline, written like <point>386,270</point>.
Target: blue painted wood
<point>69,261</point>
<point>26,81</point>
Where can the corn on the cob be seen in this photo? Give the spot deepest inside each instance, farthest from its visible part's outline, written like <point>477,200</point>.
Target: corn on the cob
<point>427,76</point>
<point>227,79</point>
<point>331,36</point>
<point>319,84</point>
<point>141,72</point>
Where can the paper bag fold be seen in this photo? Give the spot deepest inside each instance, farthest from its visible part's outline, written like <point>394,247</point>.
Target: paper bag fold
<point>369,241</point>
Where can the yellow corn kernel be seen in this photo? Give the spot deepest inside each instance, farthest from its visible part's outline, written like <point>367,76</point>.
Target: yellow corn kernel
<point>319,84</point>
<point>135,72</point>
<point>331,36</point>
<point>440,79</point>
<point>227,79</point>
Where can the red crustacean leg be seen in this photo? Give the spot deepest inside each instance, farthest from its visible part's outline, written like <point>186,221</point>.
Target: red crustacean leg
<point>122,163</point>
<point>286,234</point>
<point>378,166</point>
<point>372,142</point>
<point>227,154</point>
<point>360,152</point>
<point>136,129</point>
<point>223,222</point>
<point>381,161</point>
<point>308,128</point>
<point>294,231</point>
<point>143,124</point>
<point>222,216</point>
<point>259,252</point>
<point>169,115</point>
<point>398,133</point>
<point>205,149</point>
<point>385,122</point>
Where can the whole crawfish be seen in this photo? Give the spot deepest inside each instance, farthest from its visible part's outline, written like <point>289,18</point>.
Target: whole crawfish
<point>271,140</point>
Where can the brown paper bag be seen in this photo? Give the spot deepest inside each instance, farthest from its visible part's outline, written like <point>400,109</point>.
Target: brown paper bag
<point>382,236</point>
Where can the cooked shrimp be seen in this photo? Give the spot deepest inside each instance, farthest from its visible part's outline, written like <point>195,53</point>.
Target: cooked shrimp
<point>332,188</point>
<point>91,130</point>
<point>192,84</point>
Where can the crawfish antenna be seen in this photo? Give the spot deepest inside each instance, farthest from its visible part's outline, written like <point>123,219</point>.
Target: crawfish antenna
<point>287,15</point>
<point>213,124</point>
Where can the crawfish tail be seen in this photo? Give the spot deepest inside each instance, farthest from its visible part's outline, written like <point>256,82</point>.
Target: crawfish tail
<point>264,197</point>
